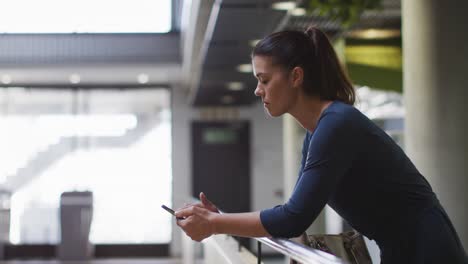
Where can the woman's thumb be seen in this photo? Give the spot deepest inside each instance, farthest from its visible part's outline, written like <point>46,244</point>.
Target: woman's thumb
<point>205,200</point>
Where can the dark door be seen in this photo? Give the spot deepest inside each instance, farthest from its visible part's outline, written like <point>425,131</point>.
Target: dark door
<point>221,163</point>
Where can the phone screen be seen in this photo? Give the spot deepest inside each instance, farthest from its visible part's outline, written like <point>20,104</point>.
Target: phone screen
<point>171,211</point>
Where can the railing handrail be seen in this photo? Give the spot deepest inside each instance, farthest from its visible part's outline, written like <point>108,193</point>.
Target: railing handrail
<point>299,252</point>
<point>294,250</point>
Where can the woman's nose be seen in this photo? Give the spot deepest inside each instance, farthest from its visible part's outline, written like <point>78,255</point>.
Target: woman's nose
<point>257,91</point>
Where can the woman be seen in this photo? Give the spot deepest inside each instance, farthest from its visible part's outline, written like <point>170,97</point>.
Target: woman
<point>348,163</point>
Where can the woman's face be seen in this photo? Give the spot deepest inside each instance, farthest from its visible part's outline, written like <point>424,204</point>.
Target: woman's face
<point>274,86</point>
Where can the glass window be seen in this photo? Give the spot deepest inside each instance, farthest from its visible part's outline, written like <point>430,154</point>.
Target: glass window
<point>115,144</point>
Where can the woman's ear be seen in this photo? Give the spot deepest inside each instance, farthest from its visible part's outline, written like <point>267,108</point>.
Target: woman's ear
<point>297,75</point>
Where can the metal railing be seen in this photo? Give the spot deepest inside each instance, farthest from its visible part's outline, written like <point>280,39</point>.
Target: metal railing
<point>296,251</point>
<point>292,249</point>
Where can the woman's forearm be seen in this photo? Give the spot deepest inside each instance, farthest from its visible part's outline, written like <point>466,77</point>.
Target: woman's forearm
<point>239,224</point>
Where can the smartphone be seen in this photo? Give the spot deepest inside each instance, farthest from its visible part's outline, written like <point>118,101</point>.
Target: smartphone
<point>171,212</point>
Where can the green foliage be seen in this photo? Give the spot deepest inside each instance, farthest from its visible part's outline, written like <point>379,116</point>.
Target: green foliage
<point>376,77</point>
<point>347,12</point>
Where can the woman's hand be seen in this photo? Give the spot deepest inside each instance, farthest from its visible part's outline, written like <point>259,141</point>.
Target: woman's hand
<point>205,203</point>
<point>197,222</point>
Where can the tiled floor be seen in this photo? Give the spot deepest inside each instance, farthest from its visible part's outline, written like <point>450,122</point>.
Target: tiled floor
<point>122,261</point>
<point>104,261</point>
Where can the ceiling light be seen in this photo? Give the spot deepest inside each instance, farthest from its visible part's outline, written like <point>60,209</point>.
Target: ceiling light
<point>227,99</point>
<point>286,5</point>
<point>143,78</point>
<point>235,86</point>
<point>75,78</point>
<point>246,68</point>
<point>298,11</point>
<point>6,79</point>
<point>375,33</point>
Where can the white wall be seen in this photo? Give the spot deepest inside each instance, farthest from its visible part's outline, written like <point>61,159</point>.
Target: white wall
<point>266,154</point>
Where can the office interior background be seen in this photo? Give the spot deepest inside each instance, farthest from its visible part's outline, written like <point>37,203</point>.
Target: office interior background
<point>109,109</point>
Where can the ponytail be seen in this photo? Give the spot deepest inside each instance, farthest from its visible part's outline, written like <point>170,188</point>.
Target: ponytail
<point>312,51</point>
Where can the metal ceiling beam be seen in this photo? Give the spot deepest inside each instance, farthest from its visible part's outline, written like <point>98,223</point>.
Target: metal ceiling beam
<point>197,15</point>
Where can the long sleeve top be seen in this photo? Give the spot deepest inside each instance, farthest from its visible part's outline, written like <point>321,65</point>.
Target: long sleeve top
<point>352,165</point>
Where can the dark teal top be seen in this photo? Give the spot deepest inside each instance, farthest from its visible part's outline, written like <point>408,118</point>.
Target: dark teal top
<point>352,165</point>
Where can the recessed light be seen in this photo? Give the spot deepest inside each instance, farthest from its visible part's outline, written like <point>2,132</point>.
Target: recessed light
<point>375,33</point>
<point>227,99</point>
<point>298,11</point>
<point>75,78</point>
<point>246,68</point>
<point>286,5</point>
<point>143,78</point>
<point>235,86</point>
<point>6,79</point>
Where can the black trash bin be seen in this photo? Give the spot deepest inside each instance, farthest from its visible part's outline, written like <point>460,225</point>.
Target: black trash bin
<point>76,213</point>
<point>5,216</point>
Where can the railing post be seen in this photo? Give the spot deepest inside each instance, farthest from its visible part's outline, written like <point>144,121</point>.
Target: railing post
<point>259,252</point>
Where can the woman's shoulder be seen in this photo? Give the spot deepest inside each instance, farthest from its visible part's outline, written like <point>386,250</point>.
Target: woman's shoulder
<point>347,117</point>
<point>340,107</point>
<point>342,112</point>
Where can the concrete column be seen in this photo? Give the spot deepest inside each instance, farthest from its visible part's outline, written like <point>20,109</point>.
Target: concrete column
<point>435,63</point>
<point>293,136</point>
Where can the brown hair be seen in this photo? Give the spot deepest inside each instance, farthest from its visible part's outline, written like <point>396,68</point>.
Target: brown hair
<point>312,51</point>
